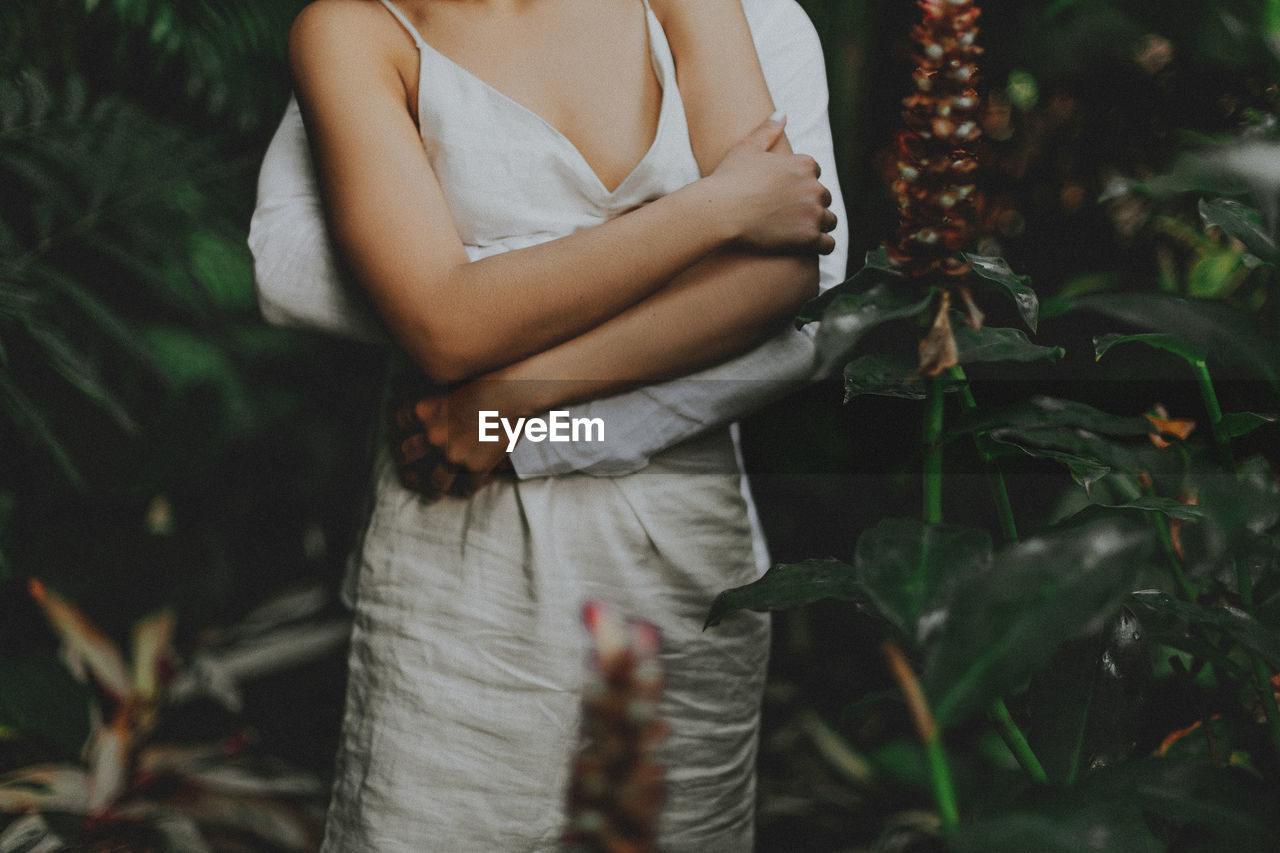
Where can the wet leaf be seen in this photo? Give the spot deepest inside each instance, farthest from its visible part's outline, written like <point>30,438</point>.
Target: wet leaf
<point>1084,704</point>
<point>887,376</point>
<point>1170,343</point>
<point>1236,424</point>
<point>1005,624</point>
<point>996,344</point>
<point>876,269</point>
<point>849,317</point>
<point>1239,626</point>
<point>1241,222</point>
<point>910,569</point>
<point>1017,287</point>
<point>788,585</point>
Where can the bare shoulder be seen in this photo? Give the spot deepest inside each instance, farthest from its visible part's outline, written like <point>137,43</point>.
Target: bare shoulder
<point>342,31</point>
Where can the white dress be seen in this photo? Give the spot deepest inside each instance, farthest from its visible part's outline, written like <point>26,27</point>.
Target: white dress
<point>468,656</point>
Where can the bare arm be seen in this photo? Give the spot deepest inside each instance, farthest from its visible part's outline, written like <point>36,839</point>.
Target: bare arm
<point>457,319</point>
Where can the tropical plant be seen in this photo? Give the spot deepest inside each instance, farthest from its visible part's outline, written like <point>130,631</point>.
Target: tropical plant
<point>1127,651</point>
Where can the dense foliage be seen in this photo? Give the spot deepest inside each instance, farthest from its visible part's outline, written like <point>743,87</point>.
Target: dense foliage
<point>1074,645</point>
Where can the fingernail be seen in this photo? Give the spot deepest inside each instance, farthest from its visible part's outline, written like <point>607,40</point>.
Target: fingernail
<point>779,116</point>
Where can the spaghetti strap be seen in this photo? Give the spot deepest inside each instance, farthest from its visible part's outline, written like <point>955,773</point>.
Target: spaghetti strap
<point>413,31</point>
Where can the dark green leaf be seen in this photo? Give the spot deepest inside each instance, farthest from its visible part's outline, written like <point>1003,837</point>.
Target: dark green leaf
<point>995,344</point>
<point>1005,624</point>
<point>1114,810</point>
<point>31,423</point>
<point>850,316</point>
<point>1235,424</point>
<point>1083,706</point>
<point>1018,287</point>
<point>910,569</point>
<point>1169,343</point>
<point>1223,333</point>
<point>887,376</point>
<point>1241,222</point>
<point>1070,446</point>
<point>41,697</point>
<point>82,372</point>
<point>875,270</point>
<point>1239,626</point>
<point>1168,507</point>
<point>789,585</point>
<point>1041,412</point>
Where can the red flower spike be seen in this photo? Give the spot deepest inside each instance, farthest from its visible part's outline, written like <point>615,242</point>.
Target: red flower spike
<point>935,154</point>
<point>616,791</point>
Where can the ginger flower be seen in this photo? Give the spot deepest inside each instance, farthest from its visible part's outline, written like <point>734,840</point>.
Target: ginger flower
<point>936,162</point>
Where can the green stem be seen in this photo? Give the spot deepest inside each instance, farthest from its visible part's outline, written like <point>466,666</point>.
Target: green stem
<point>944,789</point>
<point>1017,742</point>
<point>933,452</point>
<point>1210,397</point>
<point>1004,506</point>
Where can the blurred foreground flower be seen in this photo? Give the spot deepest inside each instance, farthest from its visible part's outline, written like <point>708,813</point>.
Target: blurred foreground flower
<point>616,791</point>
<point>131,794</point>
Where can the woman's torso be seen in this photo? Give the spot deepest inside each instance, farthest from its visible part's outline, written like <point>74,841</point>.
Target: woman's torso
<point>503,151</point>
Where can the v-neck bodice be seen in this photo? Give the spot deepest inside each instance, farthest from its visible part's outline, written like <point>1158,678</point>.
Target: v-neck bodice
<point>510,177</point>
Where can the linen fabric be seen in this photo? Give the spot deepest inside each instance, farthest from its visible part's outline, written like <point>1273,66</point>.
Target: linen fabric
<point>299,282</point>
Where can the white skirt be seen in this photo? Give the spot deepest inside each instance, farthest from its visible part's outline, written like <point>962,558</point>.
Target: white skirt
<point>468,656</point>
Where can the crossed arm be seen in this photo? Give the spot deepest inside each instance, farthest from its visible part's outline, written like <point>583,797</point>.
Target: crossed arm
<point>734,298</point>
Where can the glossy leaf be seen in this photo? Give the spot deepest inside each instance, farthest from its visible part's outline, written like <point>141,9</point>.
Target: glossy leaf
<point>1241,222</point>
<point>1005,624</point>
<point>1078,445</point>
<point>1236,424</point>
<point>1168,507</point>
<point>1017,287</point>
<point>789,585</point>
<point>1083,705</point>
<point>1170,343</point>
<point>996,344</point>
<point>850,317</point>
<point>1041,412</point>
<point>1214,328</point>
<point>876,269</point>
<point>1239,626</point>
<point>910,570</point>
<point>886,376</point>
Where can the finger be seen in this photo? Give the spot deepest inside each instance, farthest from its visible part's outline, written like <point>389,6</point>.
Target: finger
<point>826,197</point>
<point>829,222</point>
<point>826,244</point>
<point>768,132</point>
<point>412,449</point>
<point>441,478</point>
<point>403,422</point>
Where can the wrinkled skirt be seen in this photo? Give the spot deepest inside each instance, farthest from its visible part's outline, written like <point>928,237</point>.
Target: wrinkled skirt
<point>468,656</point>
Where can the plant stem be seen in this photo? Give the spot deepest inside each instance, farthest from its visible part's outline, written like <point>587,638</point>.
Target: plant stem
<point>1210,397</point>
<point>933,452</point>
<point>1017,742</point>
<point>944,792</point>
<point>1005,725</point>
<point>1004,506</point>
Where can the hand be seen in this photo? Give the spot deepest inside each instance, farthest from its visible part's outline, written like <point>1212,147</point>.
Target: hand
<point>435,443</point>
<point>776,199</point>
